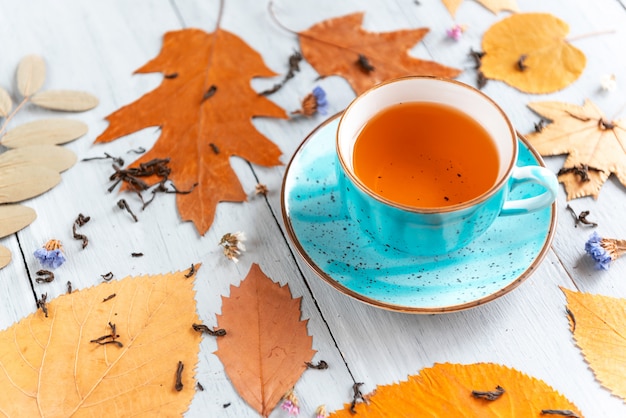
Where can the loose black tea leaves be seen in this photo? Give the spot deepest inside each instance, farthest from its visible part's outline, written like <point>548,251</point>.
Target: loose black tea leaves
<point>191,272</point>
<point>490,395</point>
<point>561,412</point>
<point>42,304</point>
<point>581,171</point>
<point>107,277</point>
<point>170,76</point>
<point>136,254</point>
<point>322,365</point>
<point>110,338</point>
<point>581,218</point>
<point>199,386</point>
<point>572,319</point>
<point>122,204</point>
<point>139,150</point>
<point>206,330</point>
<point>111,296</point>
<point>481,80</point>
<point>540,125</point>
<point>214,148</point>
<point>179,376</point>
<point>80,221</point>
<point>116,160</point>
<point>69,287</point>
<point>210,92</point>
<point>521,65</point>
<point>364,64</point>
<point>477,56</point>
<point>356,396</point>
<point>46,276</point>
<point>294,67</point>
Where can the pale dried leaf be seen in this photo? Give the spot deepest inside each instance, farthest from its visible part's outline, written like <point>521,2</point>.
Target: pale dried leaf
<point>15,217</point>
<point>65,100</point>
<point>51,156</point>
<point>44,131</point>
<point>6,104</point>
<point>494,6</point>
<point>5,256</point>
<point>50,368</point>
<point>31,74</point>
<point>25,181</point>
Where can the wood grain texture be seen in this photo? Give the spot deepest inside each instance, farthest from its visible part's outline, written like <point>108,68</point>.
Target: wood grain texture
<point>96,47</point>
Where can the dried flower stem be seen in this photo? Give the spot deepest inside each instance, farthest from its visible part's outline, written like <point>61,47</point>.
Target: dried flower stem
<point>11,115</point>
<point>590,34</point>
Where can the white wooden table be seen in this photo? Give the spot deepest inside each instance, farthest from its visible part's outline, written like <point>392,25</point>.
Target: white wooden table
<point>96,46</point>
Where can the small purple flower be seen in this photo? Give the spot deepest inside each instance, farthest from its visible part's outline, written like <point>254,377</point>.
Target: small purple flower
<point>51,254</point>
<point>320,412</point>
<point>320,98</point>
<point>600,255</point>
<point>455,32</point>
<point>290,403</point>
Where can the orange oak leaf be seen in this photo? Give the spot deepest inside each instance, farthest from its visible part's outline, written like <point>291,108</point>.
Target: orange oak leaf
<point>595,145</point>
<point>104,351</point>
<point>537,60</point>
<point>599,328</point>
<point>456,390</point>
<point>340,46</point>
<point>267,345</point>
<point>493,6</point>
<point>204,107</point>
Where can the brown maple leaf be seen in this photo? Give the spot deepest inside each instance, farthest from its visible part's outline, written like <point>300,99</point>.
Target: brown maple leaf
<point>267,345</point>
<point>596,145</point>
<point>204,107</point>
<point>102,351</point>
<point>340,46</point>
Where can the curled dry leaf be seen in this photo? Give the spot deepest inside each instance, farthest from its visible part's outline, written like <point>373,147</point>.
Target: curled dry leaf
<point>5,256</point>
<point>65,100</point>
<point>529,52</point>
<point>22,182</point>
<point>44,131</point>
<point>599,332</point>
<point>31,74</point>
<point>50,367</point>
<point>15,217</point>
<point>51,156</point>
<point>340,46</point>
<point>596,145</point>
<point>445,390</point>
<point>6,104</point>
<point>267,345</point>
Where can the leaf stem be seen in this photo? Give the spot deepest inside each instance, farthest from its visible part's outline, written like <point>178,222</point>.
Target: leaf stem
<point>587,35</point>
<point>270,8</point>
<point>11,115</point>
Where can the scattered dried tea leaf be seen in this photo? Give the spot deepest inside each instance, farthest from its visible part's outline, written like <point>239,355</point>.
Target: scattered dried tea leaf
<point>209,101</point>
<point>596,146</point>
<point>267,345</point>
<point>6,104</point>
<point>5,256</point>
<point>493,6</point>
<point>22,182</point>
<point>15,217</point>
<point>538,60</point>
<point>51,156</point>
<point>50,367</point>
<point>31,74</point>
<point>44,131</point>
<point>340,46</point>
<point>65,100</point>
<point>599,332</point>
<point>446,390</point>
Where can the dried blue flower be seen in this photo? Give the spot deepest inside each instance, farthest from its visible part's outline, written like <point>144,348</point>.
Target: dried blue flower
<point>604,250</point>
<point>314,102</point>
<point>51,254</point>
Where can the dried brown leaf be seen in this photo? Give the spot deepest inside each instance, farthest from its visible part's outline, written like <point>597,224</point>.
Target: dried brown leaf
<point>6,104</point>
<point>267,345</point>
<point>65,100</point>
<point>50,368</point>
<point>44,131</point>
<point>5,256</point>
<point>51,156</point>
<point>15,217</point>
<point>22,182</point>
<point>31,74</point>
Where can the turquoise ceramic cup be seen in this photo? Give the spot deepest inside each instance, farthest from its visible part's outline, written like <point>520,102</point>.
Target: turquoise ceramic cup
<point>435,231</point>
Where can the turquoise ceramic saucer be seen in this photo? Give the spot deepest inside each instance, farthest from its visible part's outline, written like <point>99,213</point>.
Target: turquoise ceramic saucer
<point>354,264</point>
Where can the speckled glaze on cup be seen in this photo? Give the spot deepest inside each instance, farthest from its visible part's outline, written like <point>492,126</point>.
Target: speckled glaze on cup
<point>435,231</point>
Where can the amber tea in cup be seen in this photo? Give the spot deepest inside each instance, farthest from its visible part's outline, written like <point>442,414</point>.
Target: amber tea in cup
<point>425,155</point>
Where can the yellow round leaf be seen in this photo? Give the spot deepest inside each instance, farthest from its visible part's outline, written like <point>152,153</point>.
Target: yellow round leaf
<point>529,52</point>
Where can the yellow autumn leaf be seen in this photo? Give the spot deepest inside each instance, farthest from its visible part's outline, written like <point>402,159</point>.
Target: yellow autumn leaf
<point>493,6</point>
<point>599,326</point>
<point>50,366</point>
<point>457,390</point>
<point>529,51</point>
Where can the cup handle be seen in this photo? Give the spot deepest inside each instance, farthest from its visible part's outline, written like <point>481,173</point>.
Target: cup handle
<point>531,174</point>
